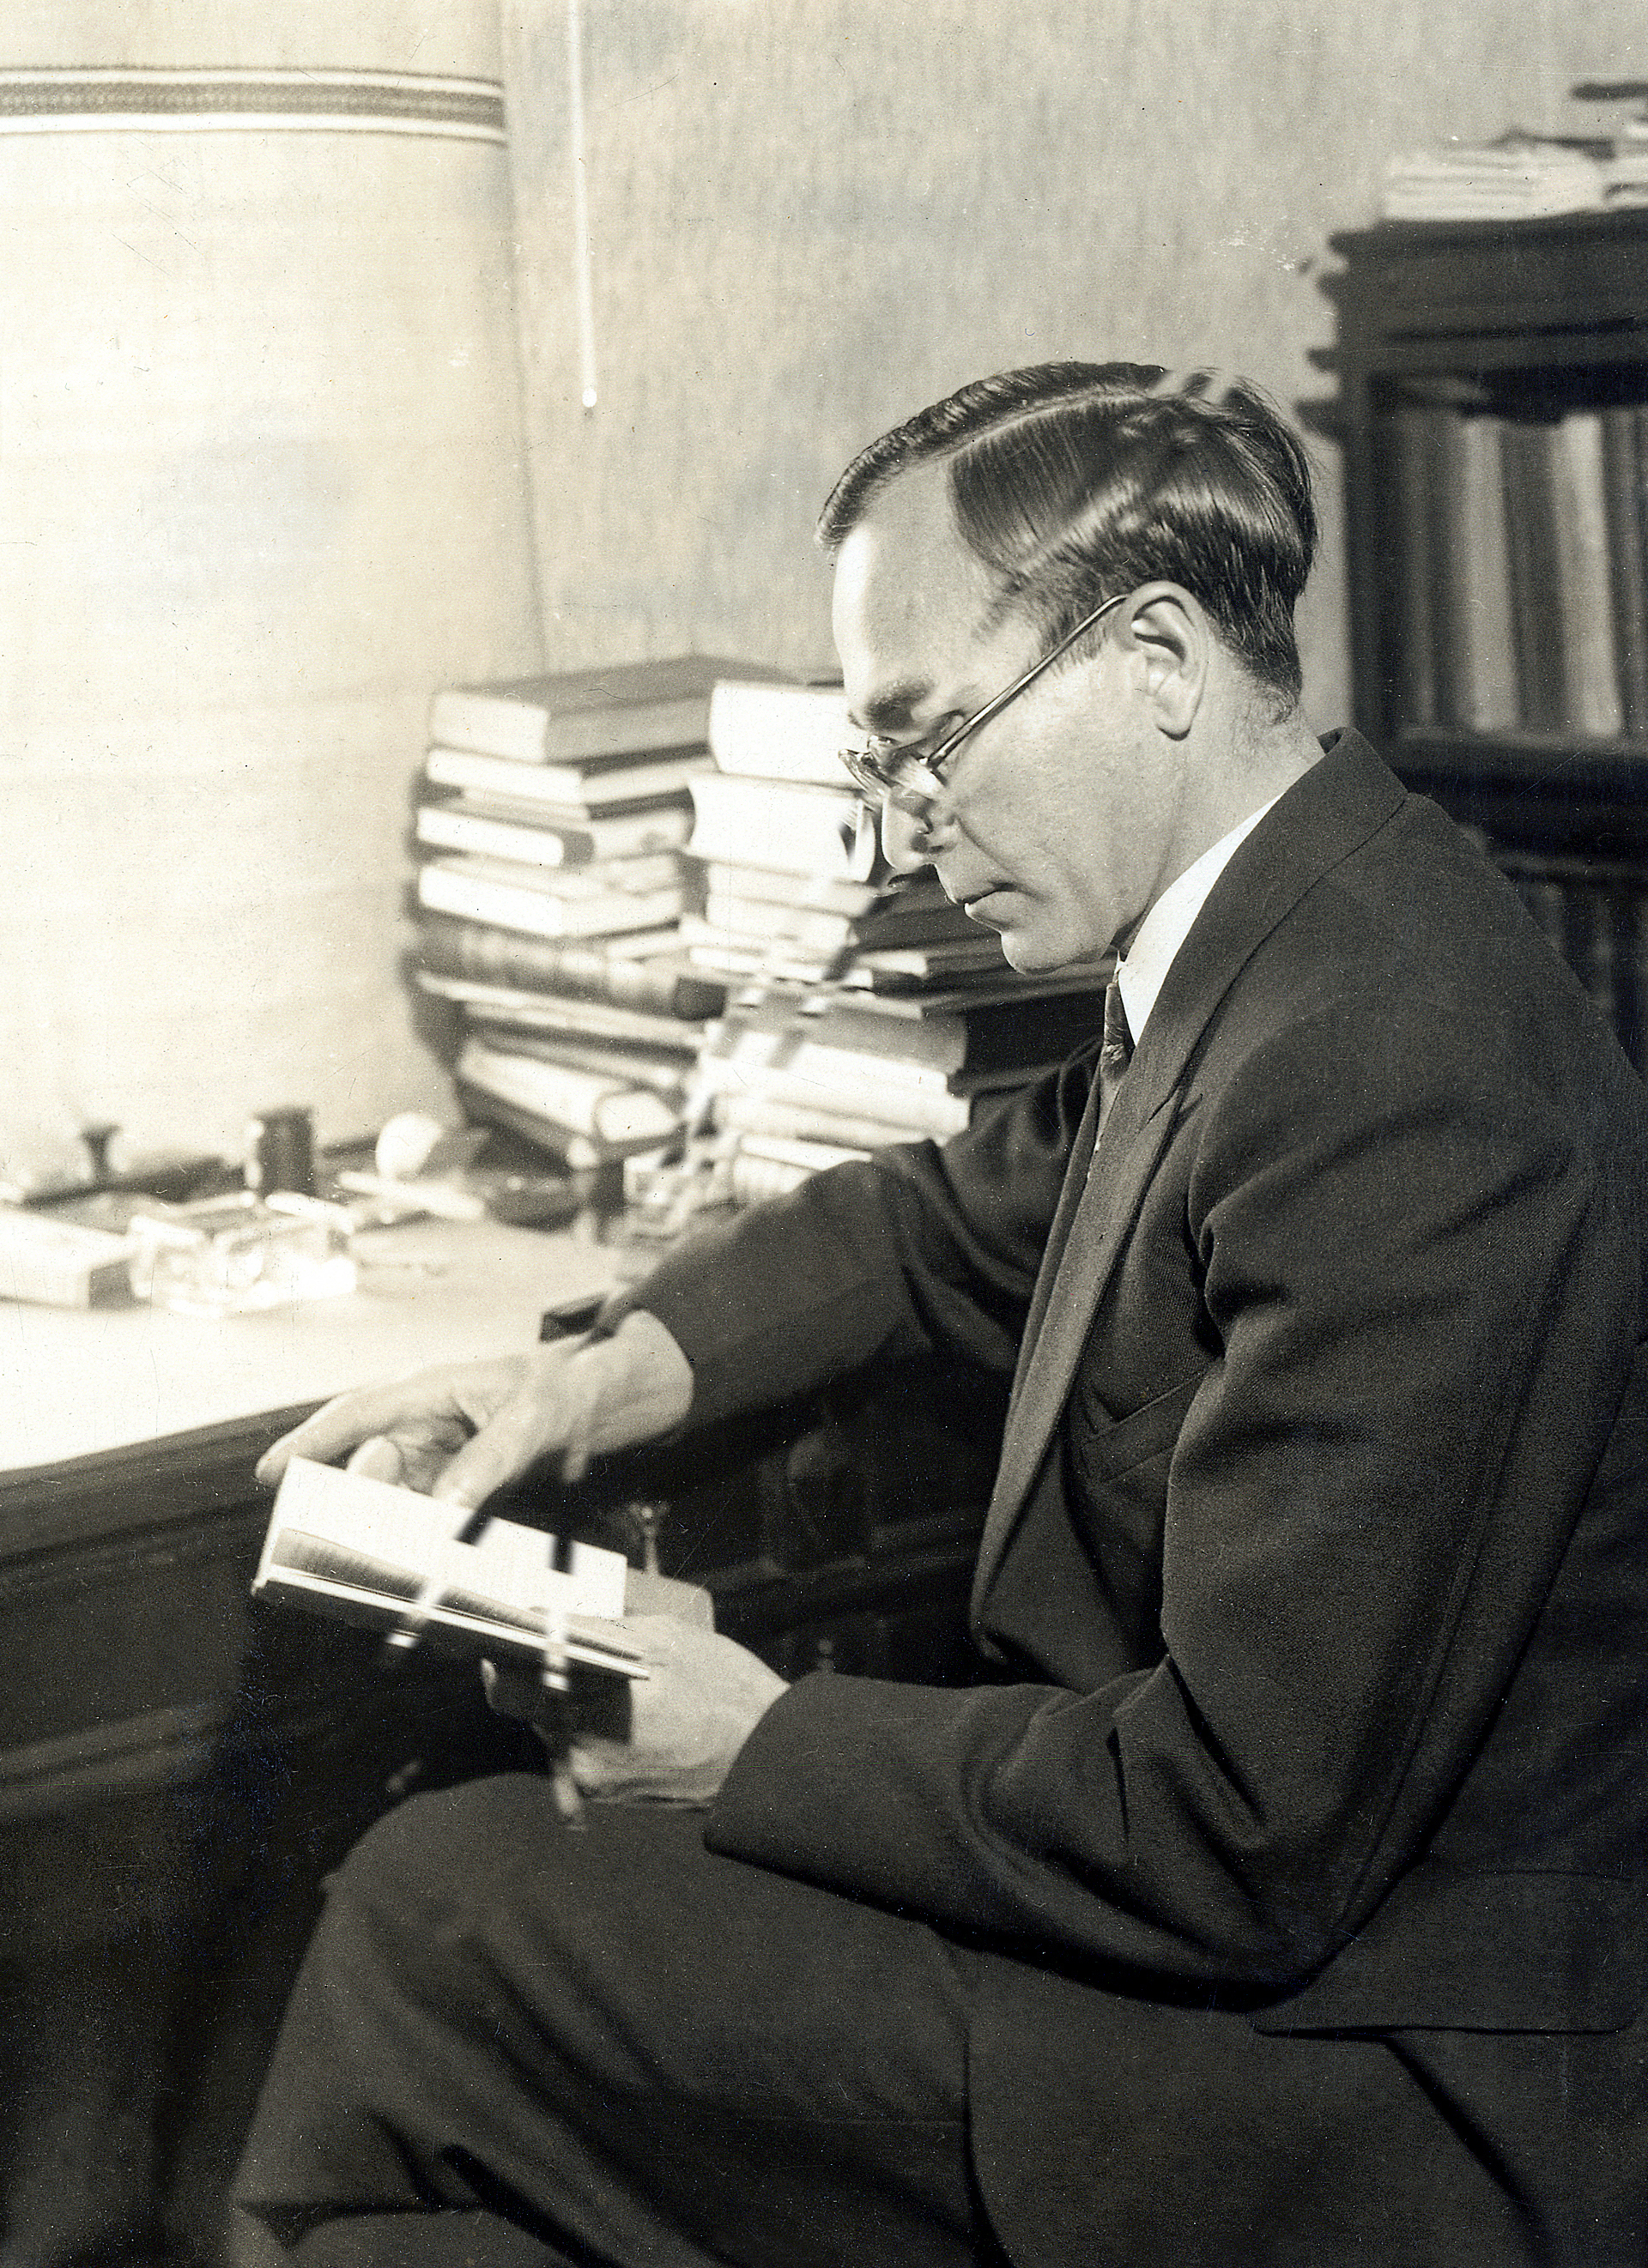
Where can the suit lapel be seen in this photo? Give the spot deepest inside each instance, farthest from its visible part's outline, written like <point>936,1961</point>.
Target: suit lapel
<point>1102,1193</point>
<point>1334,809</point>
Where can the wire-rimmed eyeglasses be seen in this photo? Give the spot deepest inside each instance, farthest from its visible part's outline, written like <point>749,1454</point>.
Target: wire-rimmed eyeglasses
<point>912,777</point>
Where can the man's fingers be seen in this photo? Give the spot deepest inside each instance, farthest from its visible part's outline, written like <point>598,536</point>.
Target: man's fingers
<point>550,1408</point>
<point>378,1459</point>
<point>500,1452</point>
<point>343,1426</point>
<point>427,1416</point>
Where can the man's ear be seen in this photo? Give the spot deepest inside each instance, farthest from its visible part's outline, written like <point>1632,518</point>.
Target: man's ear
<point>1170,635</point>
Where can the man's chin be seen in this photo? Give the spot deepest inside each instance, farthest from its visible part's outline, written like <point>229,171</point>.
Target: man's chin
<point>1025,953</point>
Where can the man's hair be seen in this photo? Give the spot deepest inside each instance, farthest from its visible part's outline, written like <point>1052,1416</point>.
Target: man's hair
<point>1073,481</point>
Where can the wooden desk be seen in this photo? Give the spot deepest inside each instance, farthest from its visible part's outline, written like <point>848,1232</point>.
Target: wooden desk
<point>150,1715</point>
<point>180,1766</point>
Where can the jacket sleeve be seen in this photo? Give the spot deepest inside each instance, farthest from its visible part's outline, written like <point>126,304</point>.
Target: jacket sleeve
<point>1421,1299</point>
<point>922,1247</point>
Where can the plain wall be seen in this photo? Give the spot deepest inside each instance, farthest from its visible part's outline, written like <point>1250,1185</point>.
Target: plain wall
<point>809,218</point>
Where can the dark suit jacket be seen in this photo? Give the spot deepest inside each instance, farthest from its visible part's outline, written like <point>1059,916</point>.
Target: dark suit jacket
<point>1302,1840</point>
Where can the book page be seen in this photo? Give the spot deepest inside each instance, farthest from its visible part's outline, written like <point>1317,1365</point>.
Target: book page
<point>406,1540</point>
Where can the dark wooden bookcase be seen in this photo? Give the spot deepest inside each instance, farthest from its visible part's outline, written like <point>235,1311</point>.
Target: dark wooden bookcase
<point>1523,320</point>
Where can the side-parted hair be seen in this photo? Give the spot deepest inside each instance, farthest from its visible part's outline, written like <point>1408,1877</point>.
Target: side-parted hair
<point>1075,481</point>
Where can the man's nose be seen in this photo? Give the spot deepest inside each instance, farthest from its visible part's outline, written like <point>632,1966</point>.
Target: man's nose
<point>907,837</point>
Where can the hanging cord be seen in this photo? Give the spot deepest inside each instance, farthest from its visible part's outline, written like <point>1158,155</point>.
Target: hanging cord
<point>583,263</point>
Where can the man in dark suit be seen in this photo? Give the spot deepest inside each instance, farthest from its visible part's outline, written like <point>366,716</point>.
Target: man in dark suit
<point>1281,1899</point>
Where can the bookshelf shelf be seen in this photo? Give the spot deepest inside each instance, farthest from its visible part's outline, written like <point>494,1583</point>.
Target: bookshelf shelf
<point>1491,401</point>
<point>1535,788</point>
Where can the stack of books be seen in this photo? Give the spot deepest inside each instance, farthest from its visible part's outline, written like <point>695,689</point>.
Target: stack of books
<point>866,1008</point>
<point>550,821</point>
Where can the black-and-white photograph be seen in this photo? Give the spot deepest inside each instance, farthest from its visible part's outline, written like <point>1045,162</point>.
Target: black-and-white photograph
<point>823,1180</point>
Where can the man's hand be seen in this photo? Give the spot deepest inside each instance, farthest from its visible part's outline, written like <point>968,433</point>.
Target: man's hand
<point>686,1721</point>
<point>462,1432</point>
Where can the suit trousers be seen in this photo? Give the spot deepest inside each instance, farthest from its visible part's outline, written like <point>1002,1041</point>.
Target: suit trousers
<point>633,2050</point>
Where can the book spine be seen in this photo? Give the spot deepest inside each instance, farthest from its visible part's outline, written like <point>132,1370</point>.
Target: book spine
<point>774,731</point>
<point>605,878</point>
<point>1585,596</point>
<point>806,830</point>
<point>772,1115</point>
<point>1623,472</point>
<point>480,951</point>
<point>608,1060</point>
<point>759,918</point>
<point>1526,452</point>
<point>486,724</point>
<point>589,1103</point>
<point>575,1152</point>
<point>1411,566</point>
<point>510,905</point>
<point>906,1112</point>
<point>1477,669</point>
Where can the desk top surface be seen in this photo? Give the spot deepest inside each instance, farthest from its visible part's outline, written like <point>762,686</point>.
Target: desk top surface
<point>73,1383</point>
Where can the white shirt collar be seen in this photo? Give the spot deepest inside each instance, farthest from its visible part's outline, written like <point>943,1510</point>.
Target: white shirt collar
<point>1169,923</point>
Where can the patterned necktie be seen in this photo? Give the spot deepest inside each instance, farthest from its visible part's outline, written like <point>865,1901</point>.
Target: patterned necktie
<point>1114,1055</point>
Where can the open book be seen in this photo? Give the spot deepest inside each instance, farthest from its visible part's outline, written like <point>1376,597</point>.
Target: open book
<point>395,1561</point>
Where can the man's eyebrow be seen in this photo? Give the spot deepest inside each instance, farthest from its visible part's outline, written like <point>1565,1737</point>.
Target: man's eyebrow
<point>884,711</point>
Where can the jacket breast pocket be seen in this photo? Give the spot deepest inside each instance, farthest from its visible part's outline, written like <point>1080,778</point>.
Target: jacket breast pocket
<point>1118,1472</point>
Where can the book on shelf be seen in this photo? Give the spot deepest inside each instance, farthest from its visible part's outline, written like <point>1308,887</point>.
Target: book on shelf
<point>645,970</point>
<point>653,869</point>
<point>1474,653</point>
<point>1532,546</point>
<point>882,927</point>
<point>550,1013</point>
<point>971,992</point>
<point>1625,503</point>
<point>576,792</point>
<point>826,894</point>
<point>384,1558</point>
<point>831,1079</point>
<point>1412,568</point>
<point>741,964</point>
<point>664,1069</point>
<point>507,903</point>
<point>1020,1033</point>
<point>460,826</point>
<point>781,732</point>
<point>1585,596</point>
<point>571,1152</point>
<point>798,1105</point>
<point>624,709</point>
<point>824,832</point>
<point>613,1113</point>
<point>900,970</point>
<point>801,1151</point>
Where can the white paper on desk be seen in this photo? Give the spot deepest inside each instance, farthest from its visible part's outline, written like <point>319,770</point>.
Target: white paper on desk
<point>404,1529</point>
